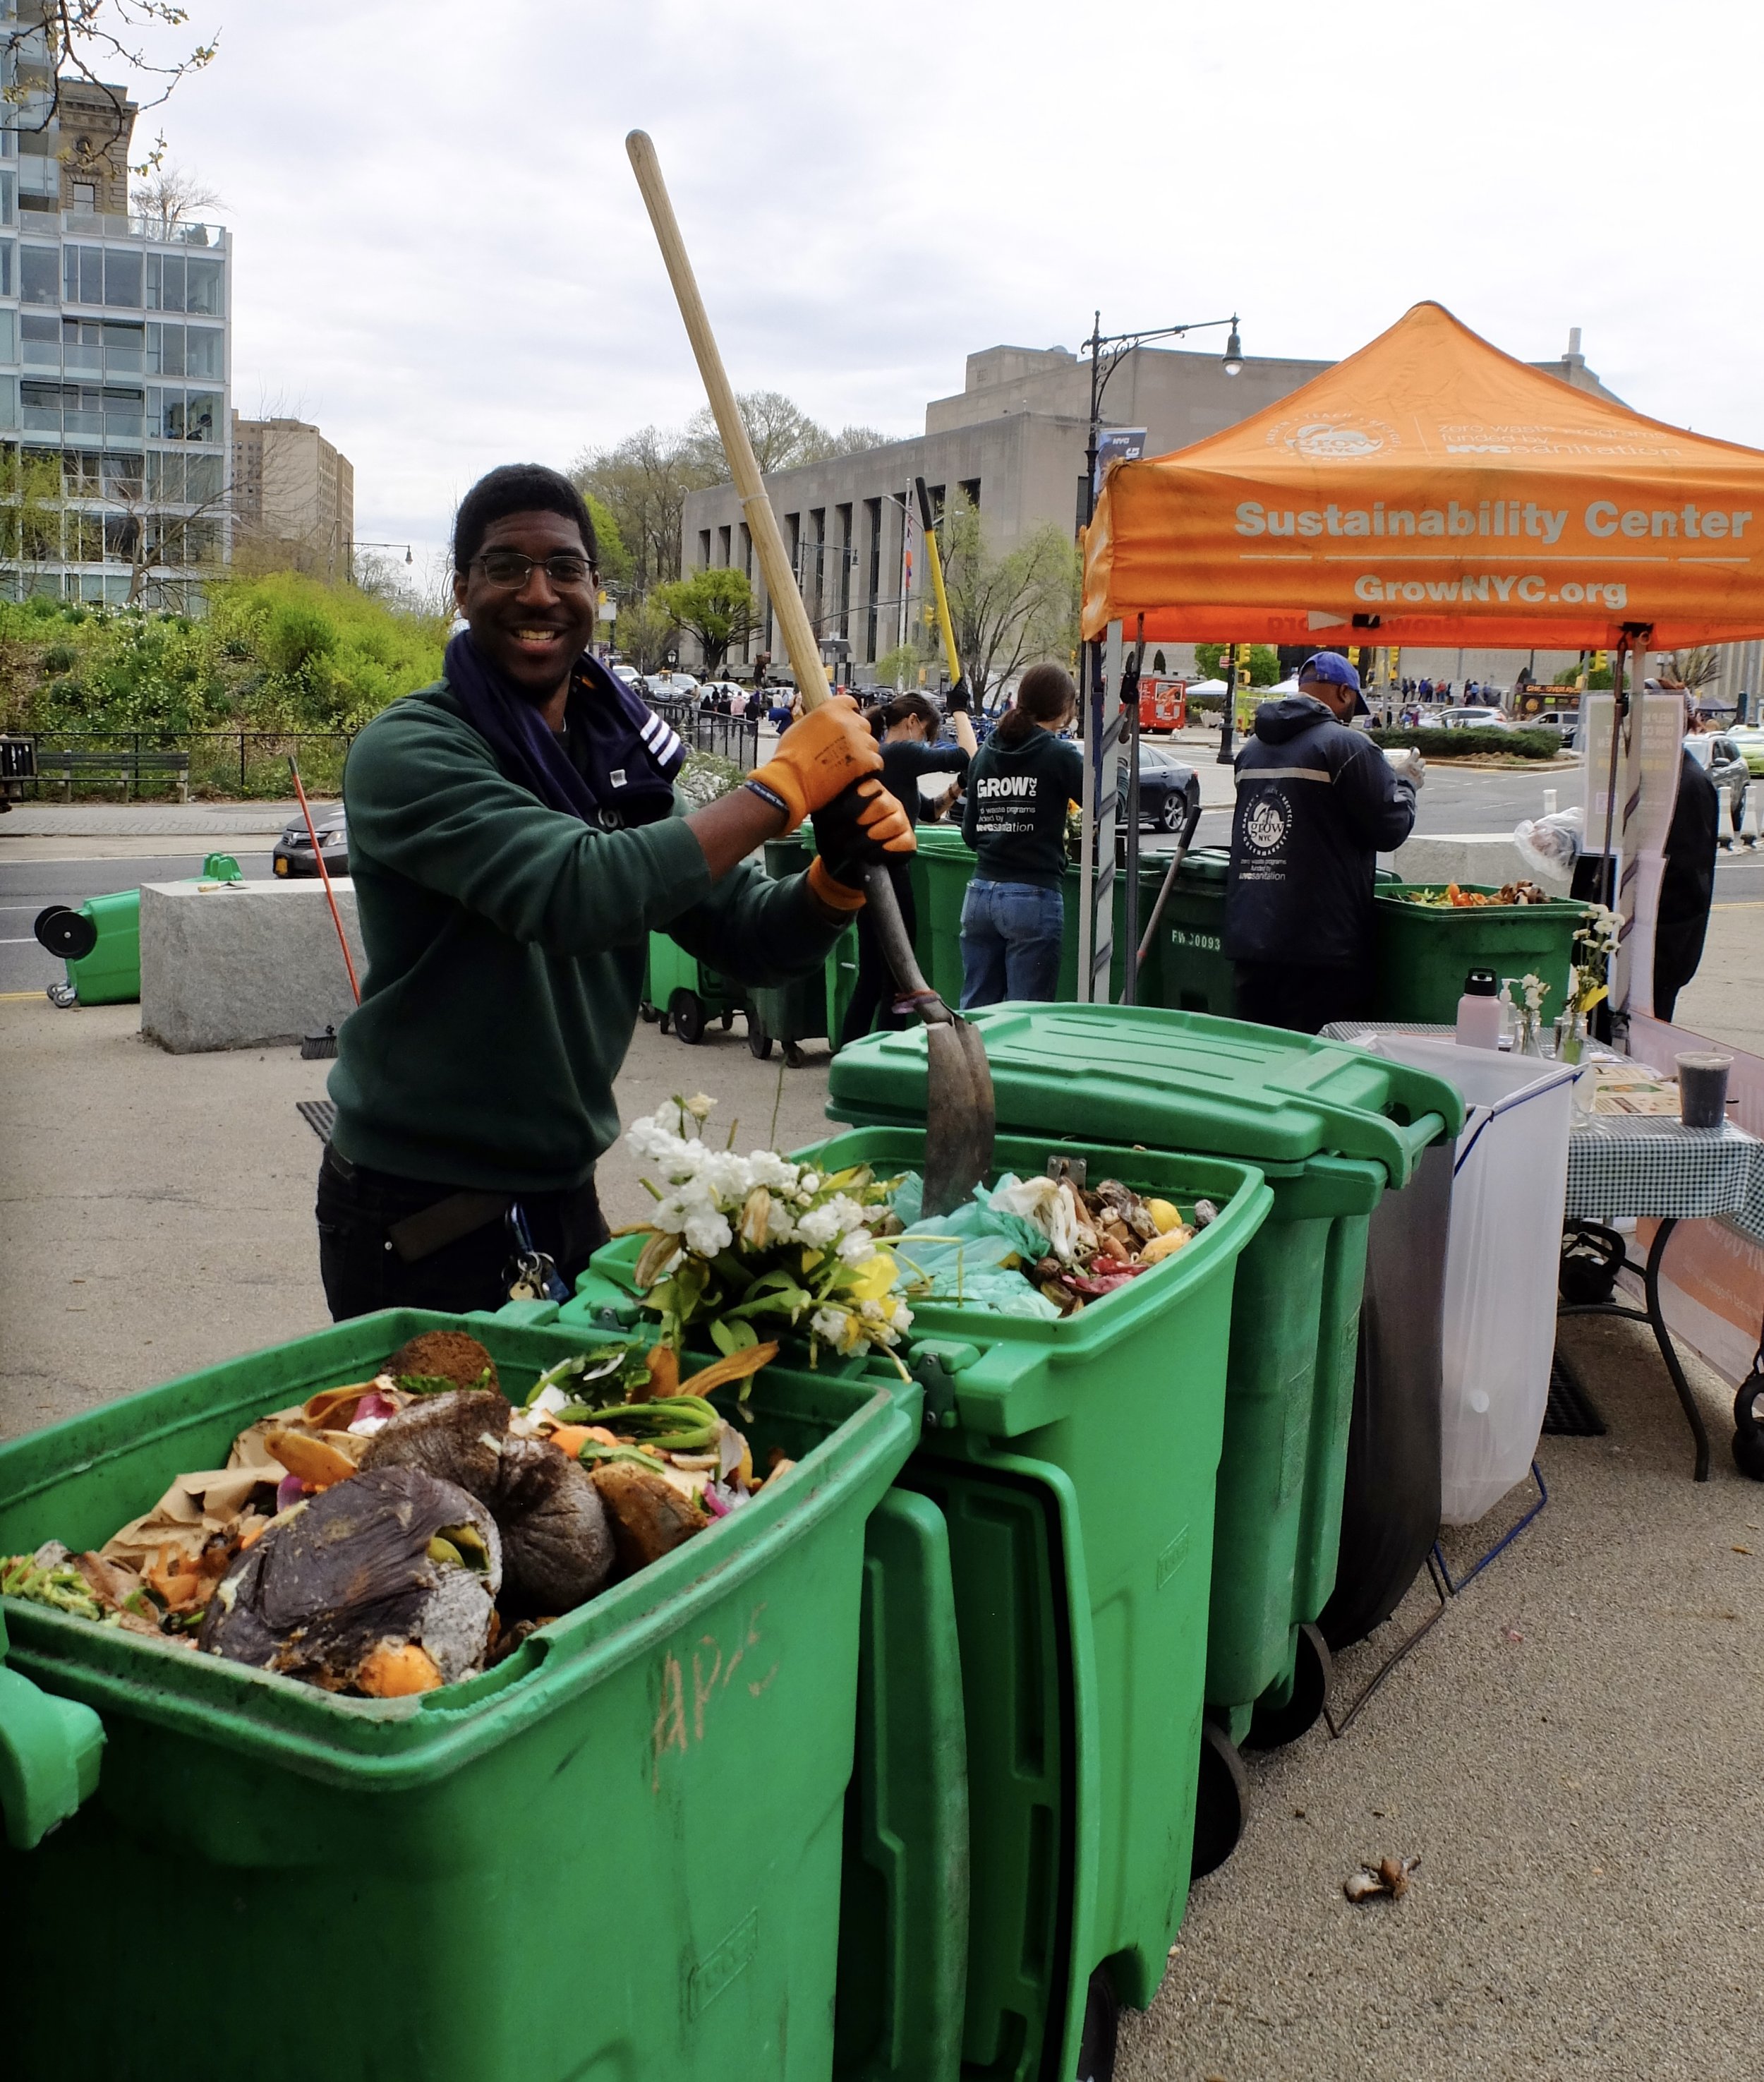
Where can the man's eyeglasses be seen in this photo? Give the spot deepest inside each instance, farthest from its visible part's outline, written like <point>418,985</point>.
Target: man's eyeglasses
<point>508,568</point>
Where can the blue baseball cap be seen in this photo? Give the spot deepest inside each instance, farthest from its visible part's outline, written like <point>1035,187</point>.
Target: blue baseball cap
<point>1332,666</point>
<point>1334,670</point>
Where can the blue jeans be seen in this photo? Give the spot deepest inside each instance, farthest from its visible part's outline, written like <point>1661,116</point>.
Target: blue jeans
<point>1011,935</point>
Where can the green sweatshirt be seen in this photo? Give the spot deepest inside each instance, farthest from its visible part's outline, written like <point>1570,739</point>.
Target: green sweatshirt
<point>506,945</point>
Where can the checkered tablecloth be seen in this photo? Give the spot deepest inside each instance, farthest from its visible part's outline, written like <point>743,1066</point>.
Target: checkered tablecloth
<point>1619,1166</point>
<point>1622,1165</point>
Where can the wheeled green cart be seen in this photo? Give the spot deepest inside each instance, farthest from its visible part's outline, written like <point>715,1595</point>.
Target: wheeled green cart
<point>1066,1483</point>
<point>100,943</point>
<point>1331,1128</point>
<point>617,1853</point>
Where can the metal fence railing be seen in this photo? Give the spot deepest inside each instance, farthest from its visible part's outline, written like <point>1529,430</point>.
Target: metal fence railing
<point>734,738</point>
<point>83,765</point>
<point>69,766</point>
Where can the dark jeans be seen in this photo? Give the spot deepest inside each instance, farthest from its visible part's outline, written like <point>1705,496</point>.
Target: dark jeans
<point>1303,997</point>
<point>1012,933</point>
<point>873,996</point>
<point>362,1271</point>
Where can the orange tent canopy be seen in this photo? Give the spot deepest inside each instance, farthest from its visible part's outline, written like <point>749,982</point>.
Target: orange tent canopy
<point>1430,489</point>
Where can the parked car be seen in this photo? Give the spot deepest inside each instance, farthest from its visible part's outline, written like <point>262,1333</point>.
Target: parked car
<point>671,685</point>
<point>292,852</point>
<point>1169,790</point>
<point>1749,740</point>
<point>1565,720</point>
<point>629,675</point>
<point>1469,719</point>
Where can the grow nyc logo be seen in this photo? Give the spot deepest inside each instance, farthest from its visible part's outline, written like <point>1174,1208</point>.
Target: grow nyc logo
<point>1333,436</point>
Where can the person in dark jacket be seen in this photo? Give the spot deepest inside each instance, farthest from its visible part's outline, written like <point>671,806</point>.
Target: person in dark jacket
<point>908,728</point>
<point>1013,918</point>
<point>1316,803</point>
<point>1687,886</point>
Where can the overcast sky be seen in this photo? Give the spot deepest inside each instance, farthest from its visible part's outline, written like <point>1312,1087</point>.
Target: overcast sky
<point>442,257</point>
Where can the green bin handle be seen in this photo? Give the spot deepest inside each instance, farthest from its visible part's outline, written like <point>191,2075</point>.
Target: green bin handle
<point>1419,1136</point>
<point>50,1750</point>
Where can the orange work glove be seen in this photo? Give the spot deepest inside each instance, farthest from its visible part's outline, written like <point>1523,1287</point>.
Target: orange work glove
<point>817,757</point>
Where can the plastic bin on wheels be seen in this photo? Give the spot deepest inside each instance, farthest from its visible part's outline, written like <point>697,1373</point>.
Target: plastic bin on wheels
<point>100,943</point>
<point>686,993</point>
<point>1069,1471</point>
<point>1426,951</point>
<point>616,1853</point>
<point>1332,1129</point>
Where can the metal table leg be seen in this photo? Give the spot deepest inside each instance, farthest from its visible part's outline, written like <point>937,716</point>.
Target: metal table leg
<point>1653,1317</point>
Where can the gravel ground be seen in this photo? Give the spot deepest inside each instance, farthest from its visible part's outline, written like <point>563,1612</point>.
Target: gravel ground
<point>1571,1751</point>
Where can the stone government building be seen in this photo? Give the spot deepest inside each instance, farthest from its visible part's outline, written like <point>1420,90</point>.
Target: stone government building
<point>1011,440</point>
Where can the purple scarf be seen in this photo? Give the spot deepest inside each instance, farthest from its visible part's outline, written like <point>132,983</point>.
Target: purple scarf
<point>632,758</point>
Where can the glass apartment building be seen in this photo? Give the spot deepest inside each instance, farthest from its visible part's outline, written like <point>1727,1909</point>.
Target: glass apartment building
<point>115,358</point>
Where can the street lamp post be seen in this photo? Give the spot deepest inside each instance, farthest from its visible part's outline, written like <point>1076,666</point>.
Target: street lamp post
<point>354,546</point>
<point>1095,870</point>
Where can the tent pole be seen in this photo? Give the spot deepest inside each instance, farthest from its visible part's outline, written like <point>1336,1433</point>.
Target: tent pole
<point>1088,736</point>
<point>1628,855</point>
<point>1129,897</point>
<point>1607,889</point>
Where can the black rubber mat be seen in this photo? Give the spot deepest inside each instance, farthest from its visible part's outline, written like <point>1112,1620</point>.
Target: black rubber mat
<point>320,1115</point>
<point>1569,1413</point>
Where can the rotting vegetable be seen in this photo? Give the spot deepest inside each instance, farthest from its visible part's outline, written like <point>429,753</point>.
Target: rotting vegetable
<point>394,1535</point>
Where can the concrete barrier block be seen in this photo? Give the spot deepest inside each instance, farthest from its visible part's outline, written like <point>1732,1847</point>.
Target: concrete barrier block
<point>244,965</point>
<point>1479,856</point>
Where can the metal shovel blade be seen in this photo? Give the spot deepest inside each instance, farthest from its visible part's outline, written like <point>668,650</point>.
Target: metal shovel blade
<point>959,1113</point>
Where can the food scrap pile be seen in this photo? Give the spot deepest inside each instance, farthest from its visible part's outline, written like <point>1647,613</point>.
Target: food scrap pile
<point>394,1535</point>
<point>1099,1239</point>
<point>1073,1243</point>
<point>1452,898</point>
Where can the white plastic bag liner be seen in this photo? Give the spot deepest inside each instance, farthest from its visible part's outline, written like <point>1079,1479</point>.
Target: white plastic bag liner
<point>1509,1185</point>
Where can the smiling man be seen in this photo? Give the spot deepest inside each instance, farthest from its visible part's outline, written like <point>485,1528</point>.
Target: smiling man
<point>513,838</point>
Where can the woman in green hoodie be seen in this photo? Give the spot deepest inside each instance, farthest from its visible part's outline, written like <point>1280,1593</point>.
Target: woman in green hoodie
<point>1013,918</point>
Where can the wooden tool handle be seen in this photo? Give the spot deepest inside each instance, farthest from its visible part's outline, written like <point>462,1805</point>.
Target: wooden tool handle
<point>799,637</point>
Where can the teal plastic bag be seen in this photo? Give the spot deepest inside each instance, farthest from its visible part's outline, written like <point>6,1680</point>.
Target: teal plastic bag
<point>972,1255</point>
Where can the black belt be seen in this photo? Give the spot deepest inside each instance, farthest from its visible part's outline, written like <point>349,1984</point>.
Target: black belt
<point>431,1229</point>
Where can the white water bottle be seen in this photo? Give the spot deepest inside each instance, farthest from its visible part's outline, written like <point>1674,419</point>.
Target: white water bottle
<point>1479,1011</point>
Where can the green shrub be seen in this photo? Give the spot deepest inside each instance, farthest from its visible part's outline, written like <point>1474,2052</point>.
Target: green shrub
<point>280,653</point>
<point>1464,744</point>
<point>295,634</point>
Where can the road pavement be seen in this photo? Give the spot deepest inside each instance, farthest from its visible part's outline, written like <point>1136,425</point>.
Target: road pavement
<point>27,886</point>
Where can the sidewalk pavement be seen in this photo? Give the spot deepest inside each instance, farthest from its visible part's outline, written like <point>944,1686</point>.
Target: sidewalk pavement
<point>141,820</point>
<point>1571,1751</point>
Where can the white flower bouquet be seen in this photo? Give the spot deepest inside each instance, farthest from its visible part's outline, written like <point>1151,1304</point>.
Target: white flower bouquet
<point>738,1242</point>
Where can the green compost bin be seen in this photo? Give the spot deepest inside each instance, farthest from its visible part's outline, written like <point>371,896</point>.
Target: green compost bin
<point>101,941</point>
<point>1426,951</point>
<point>617,1853</point>
<point>1332,1128</point>
<point>1192,972</point>
<point>685,993</point>
<point>1071,1468</point>
<point>942,870</point>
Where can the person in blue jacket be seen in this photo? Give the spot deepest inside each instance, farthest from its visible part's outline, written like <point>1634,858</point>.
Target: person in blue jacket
<point>1316,803</point>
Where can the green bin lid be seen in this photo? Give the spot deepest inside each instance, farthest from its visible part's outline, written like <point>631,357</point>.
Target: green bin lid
<point>1165,1080</point>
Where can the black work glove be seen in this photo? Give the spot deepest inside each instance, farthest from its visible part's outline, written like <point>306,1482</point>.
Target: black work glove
<point>960,698</point>
<point>862,825</point>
